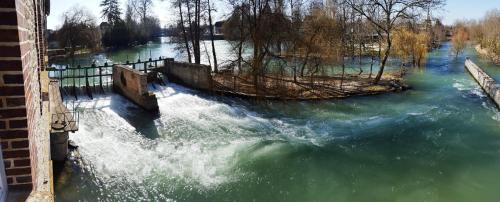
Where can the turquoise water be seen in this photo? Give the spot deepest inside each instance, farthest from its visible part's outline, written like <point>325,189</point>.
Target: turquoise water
<point>437,142</point>
<point>161,47</point>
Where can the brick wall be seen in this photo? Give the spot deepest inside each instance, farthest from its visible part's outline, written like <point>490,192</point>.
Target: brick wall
<point>20,64</point>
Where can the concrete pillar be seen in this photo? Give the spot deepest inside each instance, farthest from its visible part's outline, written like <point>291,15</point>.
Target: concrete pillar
<point>59,145</point>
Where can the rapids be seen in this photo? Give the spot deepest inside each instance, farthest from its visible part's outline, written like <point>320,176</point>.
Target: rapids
<point>437,142</point>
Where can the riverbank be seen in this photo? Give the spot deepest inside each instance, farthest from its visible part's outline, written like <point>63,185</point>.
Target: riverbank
<point>483,52</point>
<point>315,88</point>
<point>55,54</point>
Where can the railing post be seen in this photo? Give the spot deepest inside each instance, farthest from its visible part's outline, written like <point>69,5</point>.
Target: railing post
<point>100,76</point>
<point>60,78</point>
<point>79,75</point>
<point>87,85</point>
<point>74,82</point>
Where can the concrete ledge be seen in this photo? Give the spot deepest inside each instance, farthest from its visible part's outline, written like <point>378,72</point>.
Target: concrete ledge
<point>488,84</point>
<point>43,184</point>
<point>133,85</point>
<point>192,75</point>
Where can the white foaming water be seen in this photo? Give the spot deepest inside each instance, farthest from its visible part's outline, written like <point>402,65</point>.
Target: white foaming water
<point>493,109</point>
<point>496,117</point>
<point>198,139</point>
<point>468,86</point>
<point>114,148</point>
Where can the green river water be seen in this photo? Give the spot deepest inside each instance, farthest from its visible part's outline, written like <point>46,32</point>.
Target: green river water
<point>437,142</point>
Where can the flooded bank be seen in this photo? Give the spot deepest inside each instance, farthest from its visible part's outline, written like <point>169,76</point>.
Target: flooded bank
<point>437,142</point>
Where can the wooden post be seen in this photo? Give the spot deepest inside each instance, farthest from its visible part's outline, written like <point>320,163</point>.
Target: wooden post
<point>146,67</point>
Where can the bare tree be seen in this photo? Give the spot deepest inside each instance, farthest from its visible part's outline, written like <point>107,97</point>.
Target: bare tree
<point>79,30</point>
<point>142,8</point>
<point>212,35</point>
<point>459,39</point>
<point>183,27</point>
<point>111,11</point>
<point>384,14</point>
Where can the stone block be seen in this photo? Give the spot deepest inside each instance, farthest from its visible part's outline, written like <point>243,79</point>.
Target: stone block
<point>132,84</point>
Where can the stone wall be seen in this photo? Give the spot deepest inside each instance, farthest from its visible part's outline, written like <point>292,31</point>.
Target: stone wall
<point>133,85</point>
<point>489,85</point>
<point>20,96</point>
<point>191,75</point>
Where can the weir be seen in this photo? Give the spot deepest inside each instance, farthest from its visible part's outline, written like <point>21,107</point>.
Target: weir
<point>99,78</point>
<point>131,79</point>
<point>133,85</point>
<point>96,79</point>
<point>192,75</point>
<point>489,85</point>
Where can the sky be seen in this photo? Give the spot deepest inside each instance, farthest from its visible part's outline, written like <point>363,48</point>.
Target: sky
<point>161,9</point>
<point>453,10</point>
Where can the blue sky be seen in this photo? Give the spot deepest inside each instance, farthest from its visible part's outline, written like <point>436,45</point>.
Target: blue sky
<point>161,8</point>
<point>454,10</point>
<point>467,9</point>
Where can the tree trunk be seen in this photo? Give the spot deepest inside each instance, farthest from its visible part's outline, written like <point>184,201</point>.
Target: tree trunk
<point>371,67</point>
<point>343,74</point>
<point>240,47</point>
<point>344,46</point>
<point>212,36</point>
<point>256,68</point>
<point>184,33</point>
<point>197,50</point>
<point>384,60</point>
<point>191,34</point>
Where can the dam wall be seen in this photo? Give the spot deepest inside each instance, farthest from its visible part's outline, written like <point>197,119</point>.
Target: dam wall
<point>192,75</point>
<point>133,84</point>
<point>489,85</point>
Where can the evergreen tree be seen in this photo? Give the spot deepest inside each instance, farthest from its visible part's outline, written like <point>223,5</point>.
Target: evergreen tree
<point>111,11</point>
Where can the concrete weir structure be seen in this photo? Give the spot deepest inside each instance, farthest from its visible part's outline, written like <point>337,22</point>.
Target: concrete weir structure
<point>133,85</point>
<point>192,75</point>
<point>489,85</point>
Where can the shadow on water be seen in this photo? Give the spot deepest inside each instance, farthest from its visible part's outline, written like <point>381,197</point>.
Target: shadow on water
<point>143,121</point>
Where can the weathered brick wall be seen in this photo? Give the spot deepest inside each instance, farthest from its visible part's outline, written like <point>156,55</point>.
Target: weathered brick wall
<point>20,63</point>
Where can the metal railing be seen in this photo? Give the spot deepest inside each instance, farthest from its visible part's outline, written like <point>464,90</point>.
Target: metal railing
<point>97,77</point>
<point>67,121</point>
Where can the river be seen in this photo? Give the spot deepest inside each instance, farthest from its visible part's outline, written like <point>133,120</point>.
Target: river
<point>437,142</point>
